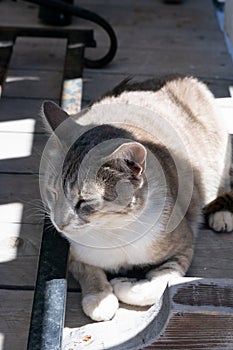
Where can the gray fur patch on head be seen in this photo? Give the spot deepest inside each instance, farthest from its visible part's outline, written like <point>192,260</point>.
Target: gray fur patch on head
<point>114,178</point>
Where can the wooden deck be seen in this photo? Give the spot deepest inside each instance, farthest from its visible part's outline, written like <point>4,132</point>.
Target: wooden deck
<point>154,39</point>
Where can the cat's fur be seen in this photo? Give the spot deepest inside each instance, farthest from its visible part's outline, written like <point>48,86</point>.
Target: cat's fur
<point>137,199</point>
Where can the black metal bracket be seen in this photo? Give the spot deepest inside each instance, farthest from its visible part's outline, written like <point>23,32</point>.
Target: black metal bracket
<point>90,16</point>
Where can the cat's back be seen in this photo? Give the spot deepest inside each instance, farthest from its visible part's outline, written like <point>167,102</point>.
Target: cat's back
<point>183,103</point>
<point>181,114</point>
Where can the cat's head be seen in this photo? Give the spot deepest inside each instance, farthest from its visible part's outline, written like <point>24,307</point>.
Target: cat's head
<point>98,180</point>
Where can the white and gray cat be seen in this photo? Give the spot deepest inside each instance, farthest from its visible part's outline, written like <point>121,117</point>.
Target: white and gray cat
<point>126,181</point>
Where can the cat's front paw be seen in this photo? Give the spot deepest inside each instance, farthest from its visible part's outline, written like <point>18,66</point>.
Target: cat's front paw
<point>100,306</point>
<point>221,221</point>
<point>141,293</point>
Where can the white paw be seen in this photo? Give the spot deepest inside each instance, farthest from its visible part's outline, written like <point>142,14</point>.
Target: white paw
<point>221,221</point>
<point>101,306</point>
<point>139,293</point>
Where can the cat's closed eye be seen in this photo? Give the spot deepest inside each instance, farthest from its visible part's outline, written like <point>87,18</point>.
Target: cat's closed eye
<point>84,207</point>
<point>79,204</point>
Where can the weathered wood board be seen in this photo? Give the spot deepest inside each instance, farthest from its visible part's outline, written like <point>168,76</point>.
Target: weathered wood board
<point>15,313</point>
<point>27,51</point>
<point>20,188</point>
<point>20,248</point>
<point>21,152</point>
<point>213,255</point>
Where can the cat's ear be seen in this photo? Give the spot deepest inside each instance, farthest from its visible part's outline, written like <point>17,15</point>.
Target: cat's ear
<point>54,115</point>
<point>134,154</point>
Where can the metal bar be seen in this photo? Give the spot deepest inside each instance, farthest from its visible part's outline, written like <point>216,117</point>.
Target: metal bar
<point>48,312</point>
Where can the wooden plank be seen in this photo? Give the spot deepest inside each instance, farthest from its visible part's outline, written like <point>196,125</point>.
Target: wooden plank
<point>19,240</point>
<point>18,13</point>
<point>154,37</point>
<point>33,84</point>
<point>219,87</point>
<point>135,61</point>
<point>21,152</point>
<point>22,189</point>
<point>213,255</point>
<point>27,50</point>
<point>190,15</point>
<point>15,311</point>
<point>228,19</point>
<point>21,222</point>
<point>20,248</point>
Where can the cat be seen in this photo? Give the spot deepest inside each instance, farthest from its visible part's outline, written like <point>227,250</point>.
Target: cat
<point>125,182</point>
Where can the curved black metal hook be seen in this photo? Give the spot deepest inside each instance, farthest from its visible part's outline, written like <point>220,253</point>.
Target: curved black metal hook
<point>90,16</point>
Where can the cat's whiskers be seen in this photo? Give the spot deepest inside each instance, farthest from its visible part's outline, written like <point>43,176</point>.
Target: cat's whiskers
<point>51,228</point>
<point>38,215</point>
<point>36,208</point>
<point>36,203</point>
